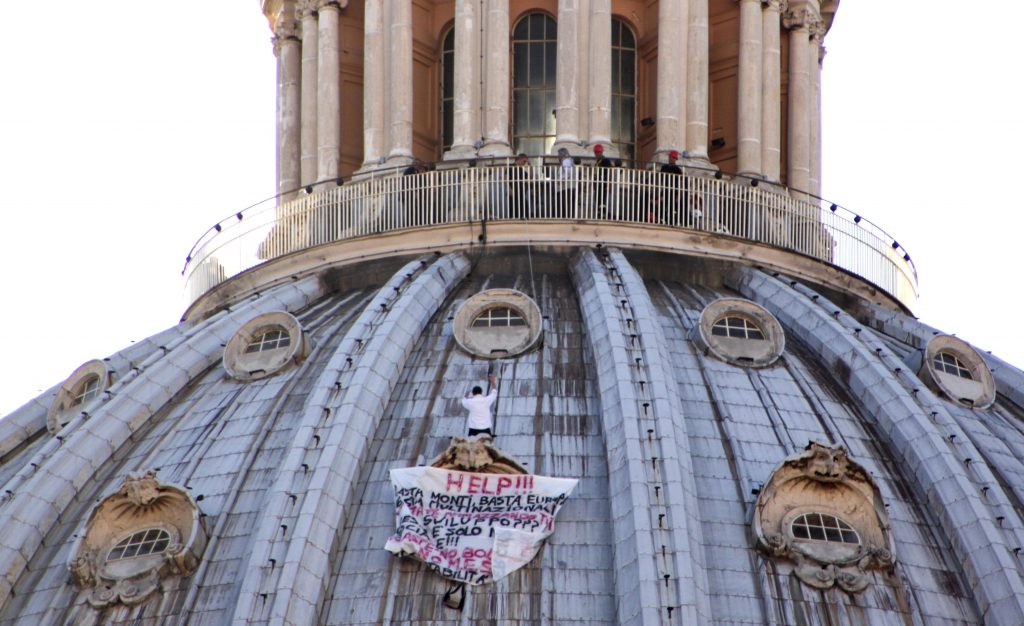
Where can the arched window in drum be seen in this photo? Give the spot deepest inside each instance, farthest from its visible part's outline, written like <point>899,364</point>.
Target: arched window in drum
<point>624,89</point>
<point>534,49</point>
<point>447,89</point>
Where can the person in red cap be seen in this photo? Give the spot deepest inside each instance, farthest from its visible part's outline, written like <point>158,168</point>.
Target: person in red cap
<point>670,205</point>
<point>600,181</point>
<point>671,167</point>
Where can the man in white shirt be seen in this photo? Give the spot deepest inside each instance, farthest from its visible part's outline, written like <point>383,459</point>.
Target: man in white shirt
<point>479,407</point>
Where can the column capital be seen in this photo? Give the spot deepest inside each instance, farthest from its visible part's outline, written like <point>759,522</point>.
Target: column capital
<point>801,17</point>
<point>775,5</point>
<point>817,30</point>
<point>306,8</point>
<point>318,5</point>
<point>285,29</point>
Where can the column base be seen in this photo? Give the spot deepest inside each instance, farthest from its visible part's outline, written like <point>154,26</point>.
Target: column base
<point>698,161</point>
<point>398,160</point>
<point>368,167</point>
<point>773,186</point>
<point>572,145</point>
<point>758,175</point>
<point>496,149</point>
<point>459,153</point>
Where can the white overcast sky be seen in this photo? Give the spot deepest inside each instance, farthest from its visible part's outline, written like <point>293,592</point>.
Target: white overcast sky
<point>126,131</point>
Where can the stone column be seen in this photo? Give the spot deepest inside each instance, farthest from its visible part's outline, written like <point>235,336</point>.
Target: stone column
<point>799,21</point>
<point>497,79</point>
<point>750,77</point>
<point>673,20</point>
<point>466,85</point>
<point>817,52</point>
<point>310,52</point>
<point>568,67</point>
<point>771,91</point>
<point>600,79</point>
<point>373,84</point>
<point>328,100</point>
<point>288,51</point>
<point>400,81</point>
<point>697,82</point>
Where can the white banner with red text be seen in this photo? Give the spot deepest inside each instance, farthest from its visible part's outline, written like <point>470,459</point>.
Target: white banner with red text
<point>470,527</point>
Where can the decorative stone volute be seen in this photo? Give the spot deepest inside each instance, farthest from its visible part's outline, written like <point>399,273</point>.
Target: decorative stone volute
<point>145,532</point>
<point>824,463</point>
<point>477,454</point>
<point>824,513</point>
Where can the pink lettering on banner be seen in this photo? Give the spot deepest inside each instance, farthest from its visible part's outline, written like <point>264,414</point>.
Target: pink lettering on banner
<point>455,481</point>
<point>488,484</point>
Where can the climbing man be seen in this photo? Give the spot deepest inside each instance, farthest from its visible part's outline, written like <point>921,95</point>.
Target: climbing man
<point>479,407</point>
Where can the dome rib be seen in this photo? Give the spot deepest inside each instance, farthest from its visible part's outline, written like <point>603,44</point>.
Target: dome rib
<point>635,462</point>
<point>1009,379</point>
<point>977,543</point>
<point>50,485</point>
<point>392,322</point>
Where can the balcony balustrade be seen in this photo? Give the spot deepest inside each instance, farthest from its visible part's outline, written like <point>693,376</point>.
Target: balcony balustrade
<point>736,208</point>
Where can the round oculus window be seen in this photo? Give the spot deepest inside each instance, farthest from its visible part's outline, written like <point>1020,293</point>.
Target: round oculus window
<point>79,393</point>
<point>740,332</point>
<point>265,345</point>
<point>497,323</point>
<point>957,371</point>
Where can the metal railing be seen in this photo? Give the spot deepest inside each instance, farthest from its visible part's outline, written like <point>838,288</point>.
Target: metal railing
<point>733,207</point>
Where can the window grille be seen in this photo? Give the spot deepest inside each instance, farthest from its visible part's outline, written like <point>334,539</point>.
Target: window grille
<point>269,340</point>
<point>499,316</point>
<point>737,327</point>
<point>824,527</point>
<point>950,364</point>
<point>148,541</point>
<point>89,390</point>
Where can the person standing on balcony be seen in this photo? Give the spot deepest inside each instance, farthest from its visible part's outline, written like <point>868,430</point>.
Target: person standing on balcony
<point>520,188</point>
<point>600,181</point>
<point>414,201</point>
<point>479,406</point>
<point>566,186</point>
<point>671,197</point>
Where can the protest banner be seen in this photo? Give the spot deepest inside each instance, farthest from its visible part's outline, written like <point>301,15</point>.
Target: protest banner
<point>473,527</point>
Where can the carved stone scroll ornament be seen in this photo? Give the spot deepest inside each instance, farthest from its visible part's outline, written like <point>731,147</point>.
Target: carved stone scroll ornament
<point>478,454</point>
<point>823,481</point>
<point>142,504</point>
